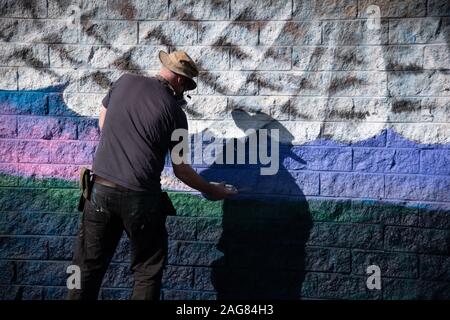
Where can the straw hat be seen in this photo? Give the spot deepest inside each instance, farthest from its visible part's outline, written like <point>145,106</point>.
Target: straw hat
<point>180,63</point>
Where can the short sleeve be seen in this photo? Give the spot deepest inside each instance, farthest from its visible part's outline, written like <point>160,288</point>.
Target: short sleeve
<point>106,99</point>
<point>180,123</point>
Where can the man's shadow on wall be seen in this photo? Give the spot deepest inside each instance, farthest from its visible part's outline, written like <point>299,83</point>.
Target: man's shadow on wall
<point>264,229</point>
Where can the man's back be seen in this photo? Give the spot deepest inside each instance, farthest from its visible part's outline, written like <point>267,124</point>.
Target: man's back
<point>142,114</point>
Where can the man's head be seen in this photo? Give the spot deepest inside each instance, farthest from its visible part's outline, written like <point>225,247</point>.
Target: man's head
<point>179,69</point>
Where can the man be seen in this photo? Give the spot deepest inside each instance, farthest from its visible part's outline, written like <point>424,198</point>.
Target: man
<point>137,119</point>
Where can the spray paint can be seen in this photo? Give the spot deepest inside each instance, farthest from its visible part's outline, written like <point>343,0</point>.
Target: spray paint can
<point>228,186</point>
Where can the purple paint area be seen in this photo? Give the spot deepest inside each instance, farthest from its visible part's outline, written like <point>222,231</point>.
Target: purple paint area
<point>41,138</point>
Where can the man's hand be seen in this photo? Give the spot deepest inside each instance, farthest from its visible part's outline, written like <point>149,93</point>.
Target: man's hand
<point>215,191</point>
<point>219,191</point>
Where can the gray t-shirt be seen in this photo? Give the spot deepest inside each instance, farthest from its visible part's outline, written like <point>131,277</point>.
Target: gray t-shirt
<point>136,136</point>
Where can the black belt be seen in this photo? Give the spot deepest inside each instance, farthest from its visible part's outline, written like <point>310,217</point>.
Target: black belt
<point>106,182</point>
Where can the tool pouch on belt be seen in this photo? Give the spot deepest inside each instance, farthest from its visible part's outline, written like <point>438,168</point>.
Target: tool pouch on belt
<point>85,186</point>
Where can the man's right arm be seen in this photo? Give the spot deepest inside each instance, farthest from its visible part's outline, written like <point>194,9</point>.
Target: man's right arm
<point>101,118</point>
<point>186,174</point>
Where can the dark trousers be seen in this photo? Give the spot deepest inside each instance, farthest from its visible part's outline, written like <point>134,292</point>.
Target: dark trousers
<point>108,213</point>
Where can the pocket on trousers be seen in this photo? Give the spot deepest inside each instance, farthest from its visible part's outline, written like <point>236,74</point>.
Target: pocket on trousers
<point>95,208</point>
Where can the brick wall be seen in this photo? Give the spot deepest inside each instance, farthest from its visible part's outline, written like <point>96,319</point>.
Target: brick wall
<point>363,112</point>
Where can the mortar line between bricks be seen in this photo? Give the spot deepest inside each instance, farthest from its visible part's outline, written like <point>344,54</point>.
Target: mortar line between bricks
<point>156,45</point>
<point>273,196</point>
<point>231,21</point>
<point>222,119</point>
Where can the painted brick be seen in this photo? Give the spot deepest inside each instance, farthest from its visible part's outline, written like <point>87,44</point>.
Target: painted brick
<point>377,141</point>
<point>351,185</point>
<point>405,289</point>
<point>37,78</point>
<point>108,32</point>
<point>287,33</point>
<point>23,103</point>
<point>181,228</point>
<point>42,273</point>
<point>45,31</point>
<point>181,278</point>
<point>98,81</point>
<point>47,128</point>
<point>8,126</point>
<point>203,279</point>
<point>347,235</point>
<point>8,78</point>
<point>435,162</point>
<point>9,148</point>
<point>312,158</point>
<point>209,229</point>
<point>38,223</point>
<point>357,84</point>
<point>115,294</point>
<point>260,10</point>
<point>172,33</point>
<point>230,83</point>
<point>301,184</point>
<point>228,33</point>
<point>28,199</point>
<point>88,9</point>
<point>85,104</point>
<point>259,107</point>
<point>63,200</point>
<point>419,83</point>
<point>88,129</point>
<point>23,248</point>
<point>393,8</point>
<point>138,9</point>
<point>436,57</point>
<point>118,275</point>
<point>417,187</point>
<point>388,160</point>
<point>402,57</point>
<point>208,58</point>
<point>417,240</point>
<point>193,253</point>
<point>123,251</point>
<point>303,83</point>
<point>199,10</point>
<point>21,55</point>
<point>207,107</point>
<point>48,175</point>
<point>424,30</point>
<point>329,9</point>
<point>396,265</point>
<point>321,58</point>
<point>328,260</point>
<point>7,274</point>
<point>8,175</point>
<point>332,286</point>
<point>434,267</point>
<point>260,58</point>
<point>353,32</point>
<point>33,151</point>
<point>60,248</point>
<point>80,152</point>
<point>11,8</point>
<point>434,216</point>
<point>438,8</point>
